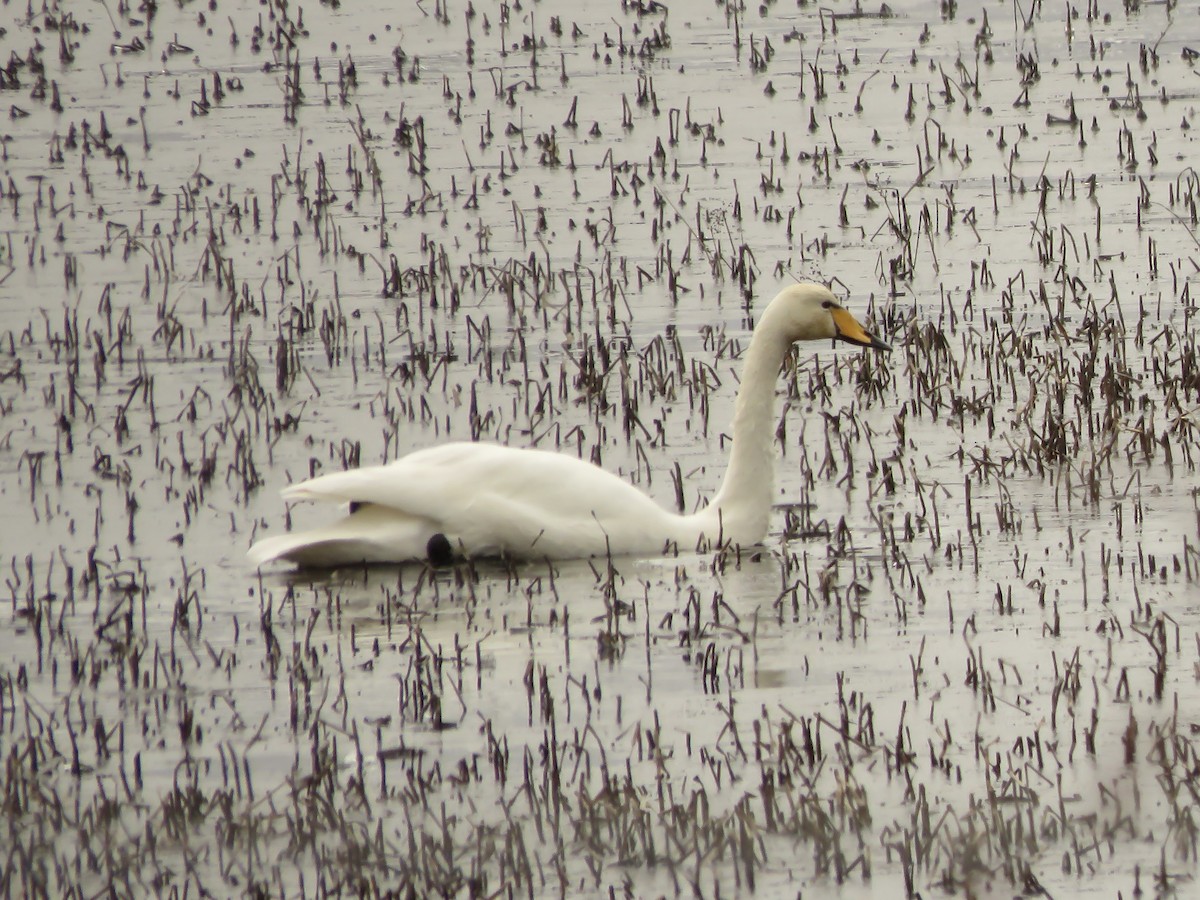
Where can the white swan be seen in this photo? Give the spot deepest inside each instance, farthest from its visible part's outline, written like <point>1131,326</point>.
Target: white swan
<point>476,500</point>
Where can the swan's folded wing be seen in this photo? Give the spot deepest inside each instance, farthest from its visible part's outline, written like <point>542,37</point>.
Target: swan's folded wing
<point>433,482</point>
<point>428,483</point>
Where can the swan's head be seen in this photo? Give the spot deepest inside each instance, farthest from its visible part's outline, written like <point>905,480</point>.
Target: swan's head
<point>810,312</point>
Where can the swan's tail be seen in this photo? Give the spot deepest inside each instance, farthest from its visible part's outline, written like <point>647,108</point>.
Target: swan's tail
<point>370,534</point>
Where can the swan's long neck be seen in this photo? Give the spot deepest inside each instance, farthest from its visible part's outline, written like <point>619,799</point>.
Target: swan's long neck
<point>744,501</point>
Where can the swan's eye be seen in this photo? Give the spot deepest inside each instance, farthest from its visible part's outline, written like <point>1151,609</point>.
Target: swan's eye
<point>827,304</point>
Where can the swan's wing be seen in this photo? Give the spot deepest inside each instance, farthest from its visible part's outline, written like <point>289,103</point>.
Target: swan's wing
<point>436,482</point>
<point>488,498</point>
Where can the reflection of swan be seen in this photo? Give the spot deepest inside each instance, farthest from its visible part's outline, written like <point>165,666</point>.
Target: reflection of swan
<point>486,500</point>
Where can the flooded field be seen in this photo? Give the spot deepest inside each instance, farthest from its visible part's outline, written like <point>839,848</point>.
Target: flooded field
<point>243,244</point>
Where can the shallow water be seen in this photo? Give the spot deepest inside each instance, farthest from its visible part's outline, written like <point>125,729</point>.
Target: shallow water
<point>964,660</point>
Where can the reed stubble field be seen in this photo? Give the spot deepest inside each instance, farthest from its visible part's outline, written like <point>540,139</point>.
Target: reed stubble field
<point>241,244</point>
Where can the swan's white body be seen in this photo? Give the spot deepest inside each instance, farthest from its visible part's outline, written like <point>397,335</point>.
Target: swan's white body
<point>490,500</point>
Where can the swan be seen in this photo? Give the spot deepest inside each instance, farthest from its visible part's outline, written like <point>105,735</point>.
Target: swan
<point>476,500</point>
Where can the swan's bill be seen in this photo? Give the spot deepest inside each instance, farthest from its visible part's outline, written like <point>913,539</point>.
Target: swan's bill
<point>850,331</point>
